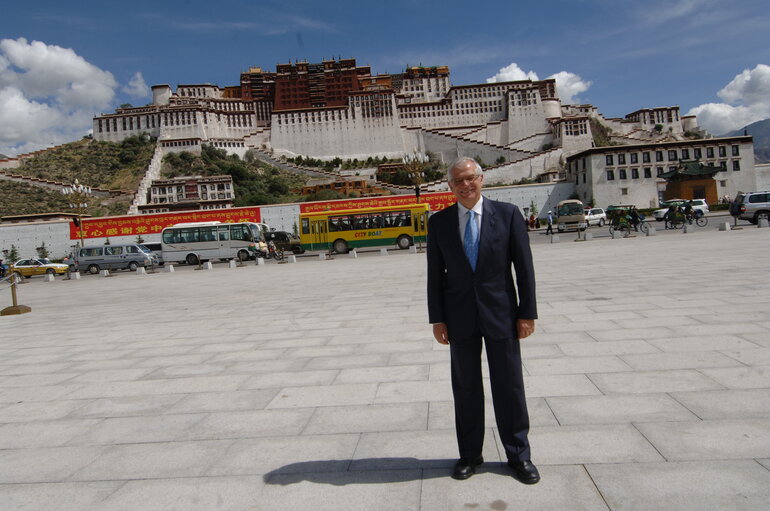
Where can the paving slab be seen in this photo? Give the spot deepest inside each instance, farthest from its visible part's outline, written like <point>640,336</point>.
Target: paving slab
<point>674,486</point>
<point>710,440</point>
<point>338,398</point>
<point>561,487</point>
<point>186,494</point>
<point>618,409</point>
<point>726,404</point>
<point>61,496</point>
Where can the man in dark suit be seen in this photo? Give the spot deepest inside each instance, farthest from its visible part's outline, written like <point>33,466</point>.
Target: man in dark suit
<point>471,295</point>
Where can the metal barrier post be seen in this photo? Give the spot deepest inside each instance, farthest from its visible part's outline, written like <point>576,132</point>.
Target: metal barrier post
<point>15,308</point>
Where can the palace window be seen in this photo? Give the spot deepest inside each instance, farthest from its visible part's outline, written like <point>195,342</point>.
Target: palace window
<point>736,151</point>
<point>634,173</point>
<point>736,165</point>
<point>610,175</point>
<point>622,173</point>
<point>722,151</point>
<point>647,172</point>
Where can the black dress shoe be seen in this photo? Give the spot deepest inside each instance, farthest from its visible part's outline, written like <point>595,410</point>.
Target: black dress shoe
<point>525,471</point>
<point>466,467</point>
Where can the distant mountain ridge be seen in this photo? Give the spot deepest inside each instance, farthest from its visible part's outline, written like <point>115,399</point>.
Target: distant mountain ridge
<point>760,130</point>
<point>3,157</point>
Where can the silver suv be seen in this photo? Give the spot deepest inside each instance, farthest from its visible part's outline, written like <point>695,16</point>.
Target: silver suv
<point>754,204</point>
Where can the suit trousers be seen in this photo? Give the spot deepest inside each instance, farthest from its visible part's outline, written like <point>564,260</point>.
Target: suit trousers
<point>508,398</point>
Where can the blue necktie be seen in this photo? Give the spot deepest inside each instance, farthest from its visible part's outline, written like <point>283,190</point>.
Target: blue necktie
<point>471,239</point>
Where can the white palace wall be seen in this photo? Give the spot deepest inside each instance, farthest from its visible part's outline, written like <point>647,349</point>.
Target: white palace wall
<point>331,132</point>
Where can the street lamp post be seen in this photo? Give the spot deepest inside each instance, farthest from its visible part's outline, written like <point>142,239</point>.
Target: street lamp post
<point>78,195</point>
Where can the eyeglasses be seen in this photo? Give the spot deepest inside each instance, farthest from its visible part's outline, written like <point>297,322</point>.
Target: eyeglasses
<point>466,181</point>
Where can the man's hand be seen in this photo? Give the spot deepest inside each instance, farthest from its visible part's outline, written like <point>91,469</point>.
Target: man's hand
<point>524,327</point>
<point>441,333</point>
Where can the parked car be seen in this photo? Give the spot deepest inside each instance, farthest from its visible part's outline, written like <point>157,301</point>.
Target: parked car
<point>596,216</point>
<point>129,256</point>
<point>754,204</point>
<point>156,249</point>
<point>31,267</point>
<point>285,241</point>
<point>699,205</point>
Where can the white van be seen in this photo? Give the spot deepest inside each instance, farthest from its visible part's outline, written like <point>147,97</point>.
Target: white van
<point>129,256</point>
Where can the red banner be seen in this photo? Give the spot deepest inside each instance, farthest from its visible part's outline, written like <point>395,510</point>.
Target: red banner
<point>436,201</point>
<point>136,225</point>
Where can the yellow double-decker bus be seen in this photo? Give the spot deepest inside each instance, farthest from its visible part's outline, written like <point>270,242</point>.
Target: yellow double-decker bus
<point>340,231</point>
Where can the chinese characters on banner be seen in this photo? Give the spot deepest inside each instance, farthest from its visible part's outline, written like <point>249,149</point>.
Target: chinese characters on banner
<point>436,201</point>
<point>136,225</point>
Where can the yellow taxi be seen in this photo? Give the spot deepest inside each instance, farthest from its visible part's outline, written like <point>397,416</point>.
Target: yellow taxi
<point>31,267</point>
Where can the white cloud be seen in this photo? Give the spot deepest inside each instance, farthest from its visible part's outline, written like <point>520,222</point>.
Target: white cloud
<point>568,85</point>
<point>137,87</point>
<point>48,95</point>
<point>512,73</point>
<point>746,100</point>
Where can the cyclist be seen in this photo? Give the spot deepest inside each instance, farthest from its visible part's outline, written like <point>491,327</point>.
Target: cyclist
<point>688,212</point>
<point>634,218</point>
<point>669,217</point>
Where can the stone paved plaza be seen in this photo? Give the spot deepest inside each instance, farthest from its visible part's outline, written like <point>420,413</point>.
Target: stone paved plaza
<point>317,385</point>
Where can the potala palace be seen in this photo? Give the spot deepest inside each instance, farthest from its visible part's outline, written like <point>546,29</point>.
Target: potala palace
<point>520,129</point>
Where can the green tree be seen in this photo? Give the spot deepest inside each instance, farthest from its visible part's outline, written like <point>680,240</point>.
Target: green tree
<point>42,251</point>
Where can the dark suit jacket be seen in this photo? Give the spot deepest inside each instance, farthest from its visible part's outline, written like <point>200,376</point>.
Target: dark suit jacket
<point>484,301</point>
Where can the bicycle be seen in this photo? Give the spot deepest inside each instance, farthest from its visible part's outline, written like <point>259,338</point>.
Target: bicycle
<point>700,220</point>
<point>622,225</point>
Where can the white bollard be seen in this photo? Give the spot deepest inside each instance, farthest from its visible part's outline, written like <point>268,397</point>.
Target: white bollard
<point>322,257</point>
<point>555,238</point>
<point>104,273</point>
<point>291,259</point>
<point>48,277</point>
<point>412,249</point>
<point>353,254</point>
<point>260,261</point>
<point>588,235</point>
<point>168,268</point>
<point>684,228</point>
<point>763,222</point>
<point>141,271</point>
<point>208,265</point>
<point>383,251</point>
<point>651,231</point>
<point>75,275</point>
<point>233,264</point>
<point>724,226</point>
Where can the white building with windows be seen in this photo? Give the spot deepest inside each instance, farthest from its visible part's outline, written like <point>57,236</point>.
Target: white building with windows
<point>628,174</point>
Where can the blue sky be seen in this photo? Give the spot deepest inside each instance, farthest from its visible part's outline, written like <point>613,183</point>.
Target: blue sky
<point>63,62</point>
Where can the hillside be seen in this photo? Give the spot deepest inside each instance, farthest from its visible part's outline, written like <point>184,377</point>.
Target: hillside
<point>255,182</point>
<point>111,165</point>
<point>760,130</point>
